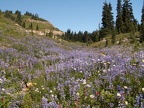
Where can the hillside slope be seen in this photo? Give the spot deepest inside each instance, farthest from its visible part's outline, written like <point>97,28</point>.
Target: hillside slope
<point>29,24</point>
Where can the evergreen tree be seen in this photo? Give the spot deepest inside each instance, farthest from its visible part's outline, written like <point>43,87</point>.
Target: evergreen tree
<point>7,14</point>
<point>19,18</point>
<point>28,13</point>
<point>23,25</point>
<point>68,34</point>
<point>79,36</point>
<point>50,34</point>
<point>128,17</point>
<point>142,25</point>
<point>119,21</point>
<point>0,12</point>
<point>113,38</point>
<point>17,12</point>
<point>31,27</point>
<point>106,43</point>
<point>142,32</point>
<point>85,37</point>
<point>37,27</point>
<point>142,17</point>
<point>94,36</point>
<point>107,19</point>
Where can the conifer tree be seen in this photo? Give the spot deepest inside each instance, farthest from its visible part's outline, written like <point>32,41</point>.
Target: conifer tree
<point>142,25</point>
<point>119,21</point>
<point>37,27</point>
<point>107,19</point>
<point>0,12</point>
<point>19,17</point>
<point>113,38</point>
<point>142,17</point>
<point>31,27</point>
<point>128,17</point>
<point>23,25</point>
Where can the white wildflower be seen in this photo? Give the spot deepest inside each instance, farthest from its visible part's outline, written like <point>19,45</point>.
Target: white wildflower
<point>104,71</point>
<point>92,96</point>
<point>114,65</point>
<point>0,81</point>
<point>143,90</point>
<point>3,89</point>
<point>118,95</point>
<point>77,94</point>
<point>36,90</point>
<point>126,102</point>
<point>88,85</point>
<point>52,95</point>
<point>84,81</point>
<point>125,87</point>
<point>74,69</point>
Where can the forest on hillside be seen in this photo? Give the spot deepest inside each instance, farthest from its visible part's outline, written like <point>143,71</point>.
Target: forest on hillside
<point>125,23</point>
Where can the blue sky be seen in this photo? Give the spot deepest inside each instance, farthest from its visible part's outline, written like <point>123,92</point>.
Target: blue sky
<point>68,14</point>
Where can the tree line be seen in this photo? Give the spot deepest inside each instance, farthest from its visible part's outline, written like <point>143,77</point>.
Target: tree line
<point>18,17</point>
<point>125,23</point>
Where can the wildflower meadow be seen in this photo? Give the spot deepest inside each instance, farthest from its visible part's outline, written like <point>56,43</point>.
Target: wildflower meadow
<point>36,72</point>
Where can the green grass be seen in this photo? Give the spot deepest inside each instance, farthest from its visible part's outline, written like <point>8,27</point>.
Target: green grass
<point>9,27</point>
<point>119,38</point>
<point>41,24</point>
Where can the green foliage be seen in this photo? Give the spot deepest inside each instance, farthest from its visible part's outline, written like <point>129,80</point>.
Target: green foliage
<point>37,27</point>
<point>119,22</point>
<point>24,25</point>
<point>113,38</point>
<point>27,101</point>
<point>133,38</point>
<point>50,34</point>
<point>128,17</point>
<point>20,47</point>
<point>8,14</point>
<point>106,43</point>
<point>142,26</point>
<point>31,26</point>
<point>107,19</point>
<point>19,17</point>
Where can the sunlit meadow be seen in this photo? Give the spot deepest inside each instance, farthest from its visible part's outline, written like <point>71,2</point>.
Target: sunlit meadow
<point>38,72</point>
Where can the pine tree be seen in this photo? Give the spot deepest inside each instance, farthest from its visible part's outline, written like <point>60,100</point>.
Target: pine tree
<point>31,27</point>
<point>0,12</point>
<point>17,12</point>
<point>119,21</point>
<point>142,32</point>
<point>23,25</point>
<point>19,18</point>
<point>128,17</point>
<point>107,20</point>
<point>68,34</point>
<point>7,14</point>
<point>113,38</point>
<point>142,17</point>
<point>142,25</point>
<point>37,27</point>
<point>85,37</point>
